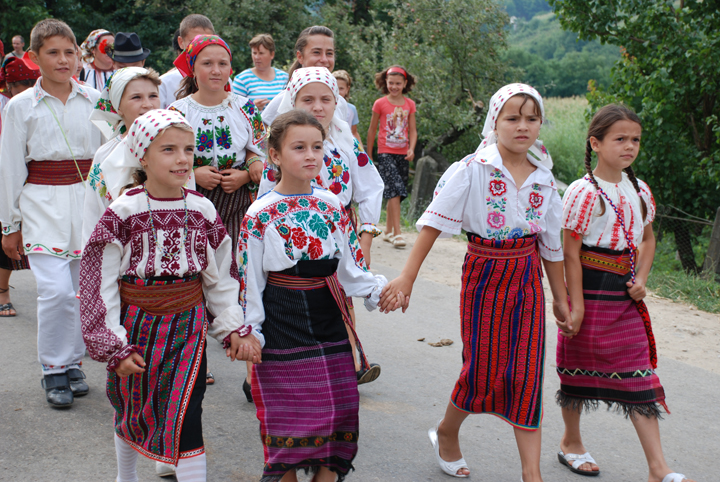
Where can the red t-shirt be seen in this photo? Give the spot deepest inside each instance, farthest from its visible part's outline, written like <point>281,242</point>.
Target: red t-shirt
<point>394,120</point>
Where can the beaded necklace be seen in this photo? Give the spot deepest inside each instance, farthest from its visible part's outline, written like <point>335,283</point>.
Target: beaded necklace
<point>621,218</point>
<point>168,255</point>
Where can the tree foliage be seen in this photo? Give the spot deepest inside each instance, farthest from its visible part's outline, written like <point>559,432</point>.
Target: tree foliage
<point>669,74</point>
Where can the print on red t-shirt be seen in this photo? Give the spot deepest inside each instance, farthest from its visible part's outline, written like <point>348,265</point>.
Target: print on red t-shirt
<point>394,119</point>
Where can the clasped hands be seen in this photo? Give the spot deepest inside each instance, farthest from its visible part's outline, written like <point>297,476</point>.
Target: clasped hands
<point>393,295</point>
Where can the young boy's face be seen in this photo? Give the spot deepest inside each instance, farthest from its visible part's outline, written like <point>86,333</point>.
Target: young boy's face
<point>57,59</point>
<point>343,88</point>
<point>190,36</point>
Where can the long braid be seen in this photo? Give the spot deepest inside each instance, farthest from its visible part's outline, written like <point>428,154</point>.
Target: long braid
<point>588,168</point>
<point>631,175</point>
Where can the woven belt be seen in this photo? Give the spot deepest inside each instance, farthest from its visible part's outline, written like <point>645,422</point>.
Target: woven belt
<point>163,299</point>
<point>57,173</point>
<point>500,253</point>
<point>606,262</point>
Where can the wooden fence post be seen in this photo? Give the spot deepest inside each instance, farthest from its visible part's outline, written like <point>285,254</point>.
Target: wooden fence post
<point>711,267</point>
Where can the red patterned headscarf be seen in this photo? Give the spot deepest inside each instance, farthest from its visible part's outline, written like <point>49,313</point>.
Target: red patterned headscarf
<point>186,60</point>
<point>14,70</point>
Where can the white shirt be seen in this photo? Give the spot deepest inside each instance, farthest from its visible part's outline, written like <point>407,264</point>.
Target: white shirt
<point>170,84</point>
<point>51,216</point>
<point>278,231</point>
<point>96,79</point>
<point>479,195</point>
<point>271,110</point>
<point>120,246</point>
<point>349,179</point>
<point>583,213</point>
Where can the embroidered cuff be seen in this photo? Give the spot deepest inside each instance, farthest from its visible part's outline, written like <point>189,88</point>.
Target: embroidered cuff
<point>251,160</point>
<point>373,299</point>
<point>369,228</point>
<point>244,330</point>
<point>9,229</point>
<point>120,355</point>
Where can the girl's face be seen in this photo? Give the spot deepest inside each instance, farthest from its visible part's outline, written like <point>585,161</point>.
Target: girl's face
<point>343,88</point>
<point>262,57</point>
<point>102,61</point>
<point>319,100</point>
<point>169,159</point>
<point>517,128</point>
<point>395,84</point>
<point>319,52</point>
<point>212,68</point>
<point>620,146</point>
<point>301,155</point>
<point>140,96</point>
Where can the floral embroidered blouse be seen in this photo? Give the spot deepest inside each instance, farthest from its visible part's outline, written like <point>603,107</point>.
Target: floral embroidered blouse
<point>583,214</point>
<point>479,195</point>
<point>226,135</point>
<point>278,231</point>
<point>123,244</point>
<point>349,179</point>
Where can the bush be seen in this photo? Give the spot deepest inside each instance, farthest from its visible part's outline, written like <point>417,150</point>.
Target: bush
<point>564,136</point>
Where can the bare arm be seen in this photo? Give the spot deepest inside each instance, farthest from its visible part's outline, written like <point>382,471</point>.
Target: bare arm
<point>371,133</point>
<point>572,243</point>
<point>643,263</point>
<point>404,282</point>
<point>412,138</point>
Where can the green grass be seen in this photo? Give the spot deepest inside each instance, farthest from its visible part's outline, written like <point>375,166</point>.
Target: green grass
<point>564,136</point>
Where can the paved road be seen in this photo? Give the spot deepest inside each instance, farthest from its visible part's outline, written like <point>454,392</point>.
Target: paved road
<point>38,443</point>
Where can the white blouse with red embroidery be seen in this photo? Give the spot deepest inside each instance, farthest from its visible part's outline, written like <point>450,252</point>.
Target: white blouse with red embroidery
<point>479,195</point>
<point>123,244</point>
<point>279,230</point>
<point>582,212</point>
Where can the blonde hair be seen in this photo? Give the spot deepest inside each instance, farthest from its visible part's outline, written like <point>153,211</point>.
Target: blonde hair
<point>343,75</point>
<point>47,28</point>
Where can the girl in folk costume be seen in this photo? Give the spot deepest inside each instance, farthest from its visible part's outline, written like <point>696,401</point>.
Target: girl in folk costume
<point>349,173</point>
<point>300,259</point>
<point>97,66</point>
<point>606,350</point>
<point>507,201</point>
<point>157,264</point>
<point>230,135</point>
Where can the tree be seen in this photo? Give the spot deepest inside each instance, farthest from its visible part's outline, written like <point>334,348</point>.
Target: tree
<point>668,73</point>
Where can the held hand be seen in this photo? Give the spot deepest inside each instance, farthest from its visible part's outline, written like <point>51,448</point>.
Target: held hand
<point>246,348</point>
<point>256,172</point>
<point>410,155</point>
<point>12,244</point>
<point>130,365</point>
<point>365,243</point>
<point>389,295</point>
<point>207,177</point>
<point>568,322</point>
<point>233,179</point>
<point>637,291</point>
<point>261,103</point>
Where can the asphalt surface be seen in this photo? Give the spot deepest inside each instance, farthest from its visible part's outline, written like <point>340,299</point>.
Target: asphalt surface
<point>39,443</point>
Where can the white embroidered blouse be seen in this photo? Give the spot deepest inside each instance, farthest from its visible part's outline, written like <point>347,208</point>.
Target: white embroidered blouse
<point>123,244</point>
<point>224,133</point>
<point>278,231</point>
<point>583,214</point>
<point>349,179</point>
<point>479,195</point>
<point>51,216</point>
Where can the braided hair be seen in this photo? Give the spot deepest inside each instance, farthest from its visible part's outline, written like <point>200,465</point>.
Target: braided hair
<point>600,124</point>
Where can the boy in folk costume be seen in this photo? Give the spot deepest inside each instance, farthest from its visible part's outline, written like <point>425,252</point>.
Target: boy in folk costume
<point>47,148</point>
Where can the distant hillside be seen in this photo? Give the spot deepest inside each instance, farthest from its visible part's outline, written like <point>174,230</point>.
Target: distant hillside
<point>526,9</point>
<point>553,60</point>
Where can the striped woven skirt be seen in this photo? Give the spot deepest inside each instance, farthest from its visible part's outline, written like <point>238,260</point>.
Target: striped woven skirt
<point>231,208</point>
<point>11,264</point>
<point>158,412</point>
<point>613,358</point>
<point>305,390</point>
<point>502,310</point>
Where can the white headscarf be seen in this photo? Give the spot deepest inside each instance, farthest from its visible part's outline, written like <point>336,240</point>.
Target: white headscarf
<point>339,131</point>
<point>105,115</point>
<point>124,160</point>
<point>496,104</point>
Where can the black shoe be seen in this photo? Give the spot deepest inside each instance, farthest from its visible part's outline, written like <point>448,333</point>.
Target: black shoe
<point>77,382</point>
<point>247,389</point>
<point>368,375</point>
<point>57,390</point>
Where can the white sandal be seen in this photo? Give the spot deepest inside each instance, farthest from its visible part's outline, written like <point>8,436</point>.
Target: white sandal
<point>398,241</point>
<point>450,468</point>
<point>573,461</point>
<point>674,477</point>
<point>388,237</point>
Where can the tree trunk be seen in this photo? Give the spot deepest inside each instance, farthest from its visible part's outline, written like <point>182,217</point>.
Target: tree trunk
<point>683,242</point>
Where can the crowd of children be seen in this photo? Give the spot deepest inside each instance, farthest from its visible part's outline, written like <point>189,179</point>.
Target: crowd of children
<point>155,210</point>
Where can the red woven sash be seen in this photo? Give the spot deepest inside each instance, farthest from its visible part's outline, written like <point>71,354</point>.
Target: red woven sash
<point>621,265</point>
<point>165,299</point>
<point>337,291</point>
<point>500,253</point>
<point>57,173</point>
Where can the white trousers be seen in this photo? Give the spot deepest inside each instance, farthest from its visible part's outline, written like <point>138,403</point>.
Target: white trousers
<point>60,341</point>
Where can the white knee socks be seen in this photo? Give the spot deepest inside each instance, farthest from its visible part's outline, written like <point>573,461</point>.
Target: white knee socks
<point>126,461</point>
<point>193,469</point>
